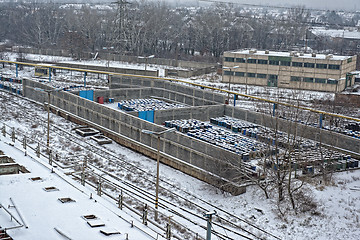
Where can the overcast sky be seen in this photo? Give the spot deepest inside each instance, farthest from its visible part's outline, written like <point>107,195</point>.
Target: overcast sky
<point>350,5</point>
<point>320,4</point>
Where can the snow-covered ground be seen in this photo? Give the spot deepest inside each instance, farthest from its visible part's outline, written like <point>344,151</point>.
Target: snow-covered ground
<point>337,214</point>
<point>335,218</point>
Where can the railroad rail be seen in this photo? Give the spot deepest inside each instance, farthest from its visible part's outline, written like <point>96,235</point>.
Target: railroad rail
<point>188,218</point>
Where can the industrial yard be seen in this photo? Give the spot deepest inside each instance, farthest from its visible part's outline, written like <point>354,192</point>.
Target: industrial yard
<point>204,127</point>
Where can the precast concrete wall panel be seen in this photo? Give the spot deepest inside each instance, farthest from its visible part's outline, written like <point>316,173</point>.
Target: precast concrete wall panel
<point>199,146</point>
<point>137,124</point>
<point>158,92</point>
<point>105,111</point>
<point>146,92</point>
<point>105,121</point>
<point>219,98</point>
<point>172,149</point>
<point>137,81</point>
<point>159,84</point>
<point>197,160</point>
<point>182,89</point>
<point>81,102</point>
<point>146,83</point>
<point>115,114</point>
<point>167,85</point>
<point>97,107</point>
<point>208,96</point>
<point>81,111</point>
<point>125,130</point>
<point>183,154</point>
<point>135,134</point>
<point>133,94</point>
<point>198,93</point>
<point>180,98</point>
<point>73,98</point>
<point>126,119</point>
<point>190,101</point>
<point>184,140</point>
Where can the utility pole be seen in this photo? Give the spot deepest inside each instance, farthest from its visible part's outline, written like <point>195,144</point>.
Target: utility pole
<point>157,134</point>
<point>232,72</point>
<point>208,216</point>
<point>48,123</point>
<point>83,174</point>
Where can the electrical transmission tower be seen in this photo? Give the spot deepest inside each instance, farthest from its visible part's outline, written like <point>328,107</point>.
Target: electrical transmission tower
<point>120,39</point>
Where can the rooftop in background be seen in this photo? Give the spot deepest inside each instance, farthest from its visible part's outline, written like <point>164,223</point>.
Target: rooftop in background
<point>289,54</point>
<point>336,33</point>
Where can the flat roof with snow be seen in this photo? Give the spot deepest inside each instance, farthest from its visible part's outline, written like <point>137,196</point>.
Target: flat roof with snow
<point>47,217</point>
<point>288,54</point>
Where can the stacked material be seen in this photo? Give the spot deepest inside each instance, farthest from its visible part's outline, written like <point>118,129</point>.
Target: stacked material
<point>236,125</point>
<point>235,142</point>
<point>185,125</point>
<point>225,138</point>
<point>146,105</point>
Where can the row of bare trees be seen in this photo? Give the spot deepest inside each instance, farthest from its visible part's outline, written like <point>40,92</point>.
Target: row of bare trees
<point>144,28</point>
<point>147,28</point>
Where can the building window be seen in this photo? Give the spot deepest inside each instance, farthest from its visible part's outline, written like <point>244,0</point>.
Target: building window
<point>320,80</point>
<point>309,65</point>
<point>227,73</point>
<point>260,75</point>
<point>229,59</point>
<point>240,60</point>
<point>335,67</point>
<point>251,61</point>
<point>297,64</point>
<point>295,79</point>
<point>251,75</point>
<point>285,63</point>
<point>262,61</point>
<point>239,74</point>
<point>307,79</point>
<point>349,60</point>
<point>321,66</point>
<point>273,77</point>
<point>272,62</point>
<point>331,81</point>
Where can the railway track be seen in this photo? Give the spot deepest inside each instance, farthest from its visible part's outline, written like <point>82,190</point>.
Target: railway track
<point>185,207</point>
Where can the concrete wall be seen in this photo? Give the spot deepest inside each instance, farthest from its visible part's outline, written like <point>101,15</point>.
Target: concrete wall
<point>197,68</point>
<point>327,137</point>
<point>201,155</point>
<point>111,69</point>
<point>189,73</point>
<point>202,113</point>
<point>147,92</point>
<point>200,94</point>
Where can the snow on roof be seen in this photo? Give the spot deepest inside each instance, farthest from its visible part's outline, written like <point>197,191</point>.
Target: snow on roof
<point>46,216</point>
<point>335,33</point>
<point>288,54</point>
